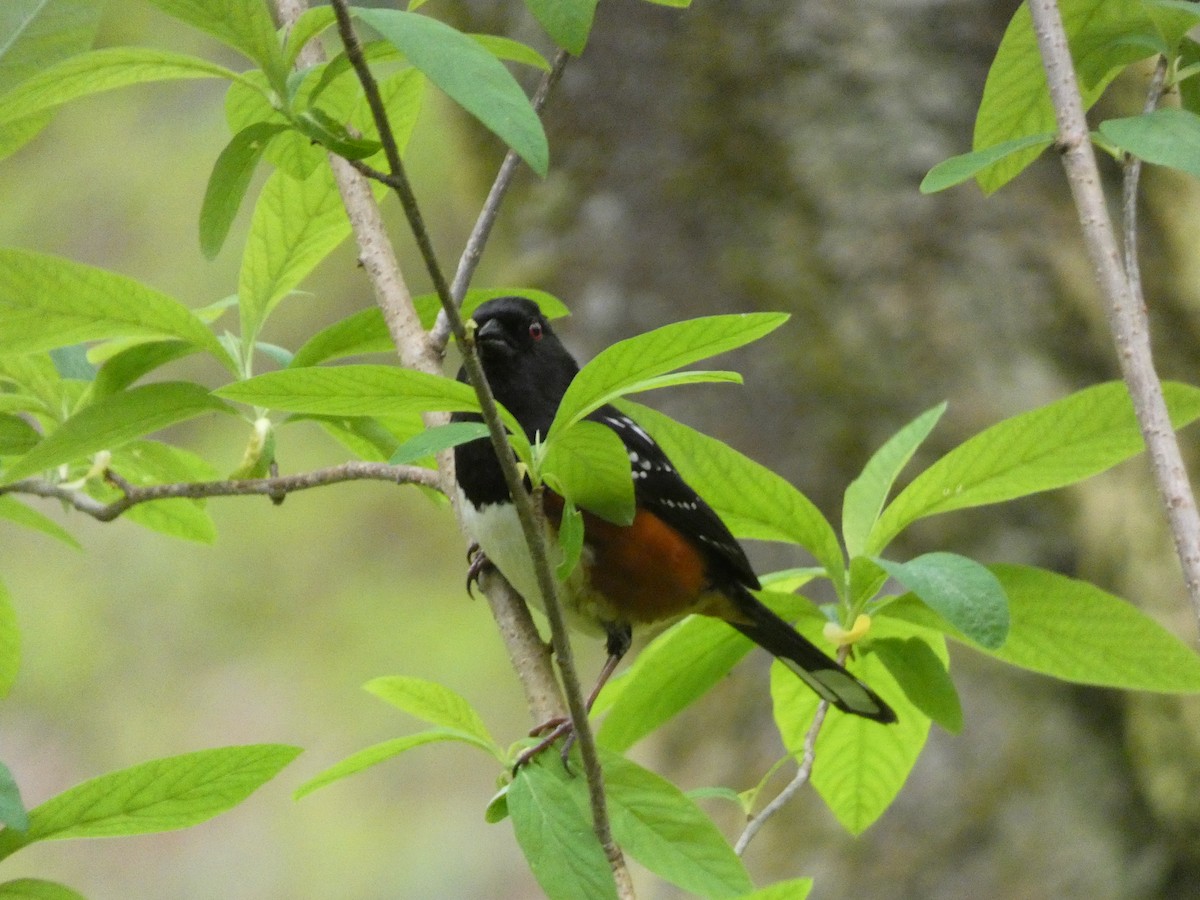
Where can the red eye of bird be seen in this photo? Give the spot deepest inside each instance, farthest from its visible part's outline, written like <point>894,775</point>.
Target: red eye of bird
<point>535,330</point>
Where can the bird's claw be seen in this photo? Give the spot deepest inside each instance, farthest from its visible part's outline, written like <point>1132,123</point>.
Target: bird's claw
<point>552,730</point>
<point>477,561</point>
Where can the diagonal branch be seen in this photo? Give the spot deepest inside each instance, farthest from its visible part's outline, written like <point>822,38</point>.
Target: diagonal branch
<point>1126,310</point>
<point>276,488</point>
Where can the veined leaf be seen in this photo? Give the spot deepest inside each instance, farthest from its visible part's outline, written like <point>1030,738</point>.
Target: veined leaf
<point>1165,137</point>
<point>15,511</point>
<point>152,462</point>
<point>12,810</point>
<point>470,76</point>
<point>245,25</point>
<point>1072,630</point>
<point>310,24</point>
<point>114,421</point>
<point>1016,100</point>
<point>568,22</point>
<point>752,500</point>
<point>228,182</point>
<point>161,795</point>
<point>589,465</point>
<point>1050,447</point>
<point>869,491</point>
<point>48,302</point>
<point>923,677</point>
<point>508,49</point>
<point>965,166</point>
<point>102,70</point>
<point>434,440</point>
<point>433,702</point>
<point>960,590</point>
<point>615,369</point>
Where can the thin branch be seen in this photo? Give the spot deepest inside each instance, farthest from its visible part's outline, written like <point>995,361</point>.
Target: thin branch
<point>802,777</point>
<point>1129,191</point>
<point>1126,310</point>
<point>531,526</point>
<point>276,488</point>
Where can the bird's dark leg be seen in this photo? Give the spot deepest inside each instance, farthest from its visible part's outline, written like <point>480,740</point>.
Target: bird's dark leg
<point>619,639</point>
<point>477,561</point>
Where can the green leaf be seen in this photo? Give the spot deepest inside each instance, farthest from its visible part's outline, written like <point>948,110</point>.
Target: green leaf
<point>923,677</point>
<point>12,810</point>
<point>37,889</point>
<point>151,462</point>
<point>589,465</point>
<point>1074,631</point>
<point>38,34</point>
<point>626,363</point>
<point>432,702</point>
<point>963,592</point>
<point>570,540</point>
<point>568,22</point>
<point>17,512</point>
<point>1165,137</point>
<point>384,751</point>
<point>161,795</point>
<point>860,765</point>
<point>1173,19</point>
<point>359,333</point>
<point>667,833</point>
<point>114,421</point>
<point>296,224</point>
<point>102,70</point>
<point>1016,100</point>
<point>48,302</point>
<point>245,25</point>
<point>434,440</point>
<point>678,667</point>
<point>470,75</point>
<point>10,643</point>
<point>1049,447</point>
<point>353,391</point>
<point>16,435</point>
<point>869,491</point>
<point>548,810</point>
<point>125,367</point>
<point>229,181</point>
<point>793,888</point>
<point>513,51</point>
<point>752,500</point>
<point>320,127</point>
<point>310,24</point>
<point>1189,84</point>
<point>965,166</point>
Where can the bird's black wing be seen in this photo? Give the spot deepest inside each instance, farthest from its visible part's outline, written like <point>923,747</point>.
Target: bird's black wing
<point>659,488</point>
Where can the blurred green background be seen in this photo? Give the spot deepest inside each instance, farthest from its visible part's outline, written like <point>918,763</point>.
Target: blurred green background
<point>743,154</point>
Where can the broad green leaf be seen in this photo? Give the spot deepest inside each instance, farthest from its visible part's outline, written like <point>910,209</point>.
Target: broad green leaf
<point>554,830</point>
<point>37,889</point>
<point>114,421</point>
<point>310,24</point>
<point>794,888</point>
<point>352,391</point>
<point>71,362</point>
<point>12,810</point>
<point>869,491</point>
<point>923,677</point>
<point>245,25</point>
<point>860,765</point>
<point>1049,447</point>
<point>321,128</point>
<point>433,702</point>
<point>359,333</point>
<point>1174,19</point>
<point>470,75</point>
<point>296,224</point>
<point>963,592</point>
<point>570,540</point>
<point>38,34</point>
<point>752,500</point>
<point>1072,630</point>
<point>10,642</point>
<point>589,465</point>
<point>568,22</point>
<point>1016,100</point>
<point>965,166</point>
<point>381,752</point>
<point>126,366</point>
<point>1165,137</point>
<point>48,302</point>
<point>513,51</point>
<point>667,833</point>
<point>615,369</point>
<point>151,462</point>
<point>678,667</point>
<point>434,440</point>
<point>228,182</point>
<point>102,70</point>
<point>14,511</point>
<point>161,795</point>
<point>16,435</point>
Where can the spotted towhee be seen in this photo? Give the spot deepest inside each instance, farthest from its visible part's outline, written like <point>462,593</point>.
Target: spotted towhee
<point>677,556</point>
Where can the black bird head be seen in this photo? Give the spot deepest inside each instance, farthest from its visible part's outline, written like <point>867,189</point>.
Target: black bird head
<point>525,362</point>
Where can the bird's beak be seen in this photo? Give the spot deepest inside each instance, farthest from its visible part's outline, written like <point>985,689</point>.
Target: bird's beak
<point>491,332</point>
